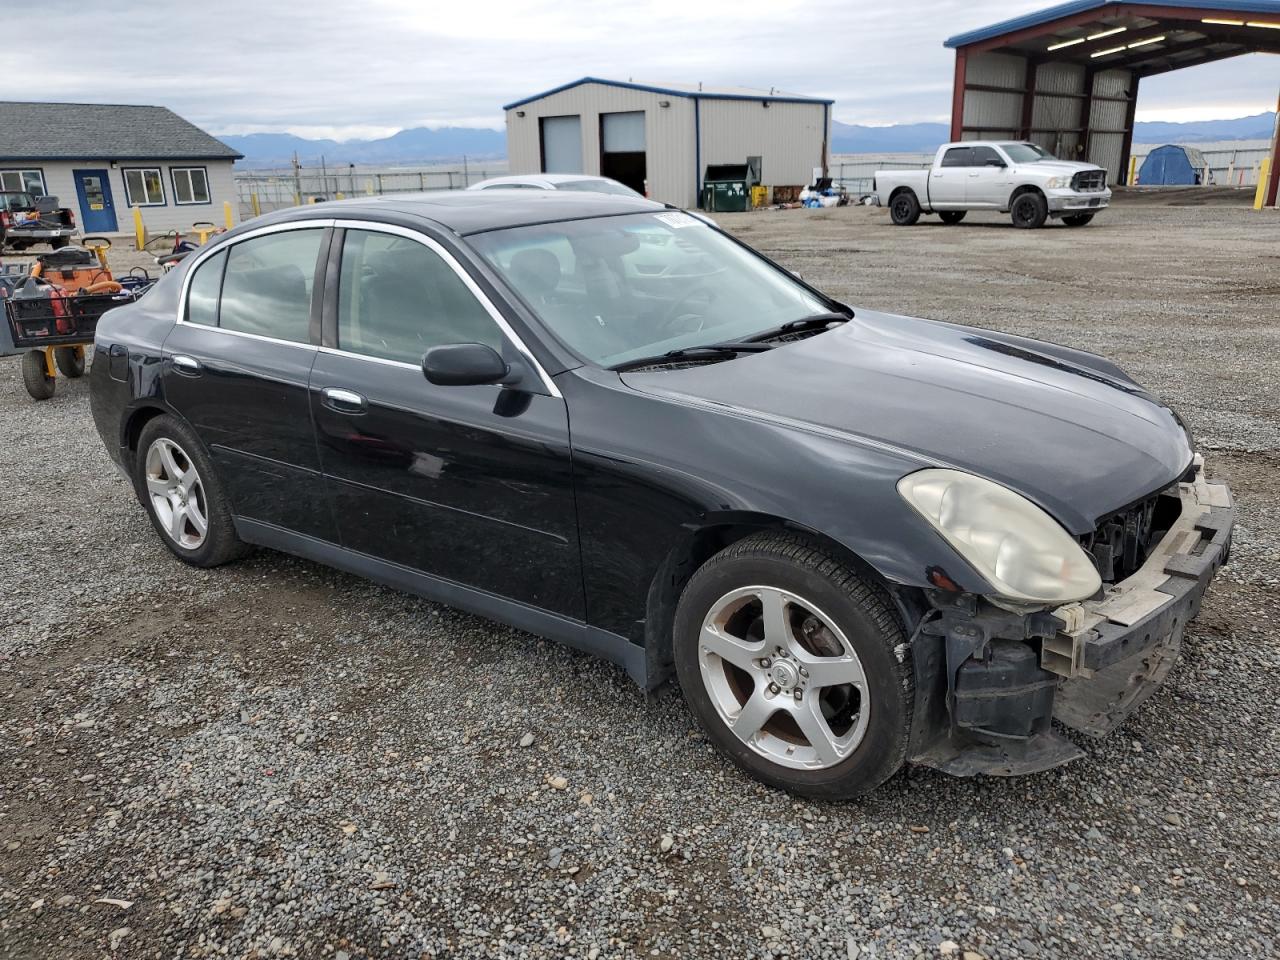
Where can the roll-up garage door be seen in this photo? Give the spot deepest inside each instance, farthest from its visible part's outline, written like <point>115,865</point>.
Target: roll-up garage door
<point>622,153</point>
<point>561,144</point>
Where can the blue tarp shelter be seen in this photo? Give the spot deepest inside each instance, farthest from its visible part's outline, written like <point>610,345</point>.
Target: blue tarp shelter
<point>1172,165</point>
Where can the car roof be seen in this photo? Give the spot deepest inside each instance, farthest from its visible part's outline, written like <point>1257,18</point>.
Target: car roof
<point>476,211</point>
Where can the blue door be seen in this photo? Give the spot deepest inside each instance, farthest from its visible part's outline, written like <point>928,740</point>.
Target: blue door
<point>97,212</point>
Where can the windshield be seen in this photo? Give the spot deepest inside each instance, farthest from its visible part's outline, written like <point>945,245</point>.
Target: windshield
<point>598,186</point>
<point>616,289</point>
<point>1026,152</point>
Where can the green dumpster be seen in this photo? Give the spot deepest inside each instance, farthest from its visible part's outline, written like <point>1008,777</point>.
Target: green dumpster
<point>726,188</point>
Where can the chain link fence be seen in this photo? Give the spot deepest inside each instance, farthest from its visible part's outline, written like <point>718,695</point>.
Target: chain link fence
<point>262,191</point>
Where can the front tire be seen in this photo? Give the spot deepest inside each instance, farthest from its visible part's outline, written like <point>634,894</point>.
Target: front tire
<point>1077,219</point>
<point>175,480</point>
<point>951,216</point>
<point>904,209</point>
<point>70,361</point>
<point>35,377</point>
<point>1029,211</point>
<point>795,666</point>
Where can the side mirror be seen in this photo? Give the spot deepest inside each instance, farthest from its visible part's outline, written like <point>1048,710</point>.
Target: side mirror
<point>995,162</point>
<point>468,364</point>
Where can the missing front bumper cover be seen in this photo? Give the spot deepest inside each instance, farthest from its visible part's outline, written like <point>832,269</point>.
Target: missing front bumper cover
<point>1099,659</point>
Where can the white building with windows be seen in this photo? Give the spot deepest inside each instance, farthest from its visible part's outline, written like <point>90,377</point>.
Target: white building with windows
<point>661,138</point>
<point>105,160</point>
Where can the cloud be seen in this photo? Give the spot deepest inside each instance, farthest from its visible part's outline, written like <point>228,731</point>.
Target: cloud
<point>346,70</point>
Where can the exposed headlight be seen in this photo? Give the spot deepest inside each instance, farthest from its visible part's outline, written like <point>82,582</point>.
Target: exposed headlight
<point>1024,553</point>
<point>1060,183</point>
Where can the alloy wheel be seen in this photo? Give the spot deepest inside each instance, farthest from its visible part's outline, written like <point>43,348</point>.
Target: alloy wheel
<point>176,494</point>
<point>783,677</point>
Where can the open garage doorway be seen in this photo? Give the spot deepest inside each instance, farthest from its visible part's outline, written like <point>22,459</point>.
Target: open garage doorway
<point>622,148</point>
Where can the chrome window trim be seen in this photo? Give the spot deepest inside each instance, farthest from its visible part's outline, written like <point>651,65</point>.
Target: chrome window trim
<point>377,227</point>
<point>468,282</point>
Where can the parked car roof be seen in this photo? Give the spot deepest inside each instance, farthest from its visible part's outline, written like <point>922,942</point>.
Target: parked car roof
<point>475,211</point>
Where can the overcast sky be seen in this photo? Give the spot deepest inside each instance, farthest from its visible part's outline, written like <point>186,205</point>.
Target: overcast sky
<point>371,67</point>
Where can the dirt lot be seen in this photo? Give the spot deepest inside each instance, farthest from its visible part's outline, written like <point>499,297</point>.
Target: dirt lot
<point>274,759</point>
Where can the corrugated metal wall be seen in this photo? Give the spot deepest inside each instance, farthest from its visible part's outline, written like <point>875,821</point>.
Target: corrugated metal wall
<point>1056,121</point>
<point>994,115</point>
<point>788,137</point>
<point>669,141</point>
<point>1105,148</point>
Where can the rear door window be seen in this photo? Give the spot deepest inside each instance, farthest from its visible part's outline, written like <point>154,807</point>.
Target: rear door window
<point>958,157</point>
<point>267,286</point>
<point>202,294</point>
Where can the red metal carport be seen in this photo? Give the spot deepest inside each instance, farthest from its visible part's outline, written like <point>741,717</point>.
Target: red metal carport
<point>1067,77</point>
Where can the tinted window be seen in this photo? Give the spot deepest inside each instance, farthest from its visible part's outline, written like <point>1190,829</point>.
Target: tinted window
<point>513,186</point>
<point>982,154</point>
<point>1025,152</point>
<point>958,157</point>
<point>397,299</point>
<point>267,286</point>
<point>202,294</point>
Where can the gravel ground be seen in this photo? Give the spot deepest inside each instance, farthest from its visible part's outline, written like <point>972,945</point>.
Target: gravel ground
<point>275,759</point>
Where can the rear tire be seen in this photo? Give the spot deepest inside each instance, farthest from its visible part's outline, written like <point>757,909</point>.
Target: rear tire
<point>829,716</point>
<point>904,209</point>
<point>1029,211</point>
<point>951,216</point>
<point>175,480</point>
<point>1077,219</point>
<point>70,361</point>
<point>34,375</point>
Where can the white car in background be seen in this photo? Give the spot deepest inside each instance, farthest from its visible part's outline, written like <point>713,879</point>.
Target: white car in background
<point>556,181</point>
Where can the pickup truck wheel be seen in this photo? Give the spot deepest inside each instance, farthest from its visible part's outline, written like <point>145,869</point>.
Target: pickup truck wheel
<point>70,361</point>
<point>1077,219</point>
<point>1029,211</point>
<point>795,667</point>
<point>904,209</point>
<point>952,216</point>
<point>34,376</point>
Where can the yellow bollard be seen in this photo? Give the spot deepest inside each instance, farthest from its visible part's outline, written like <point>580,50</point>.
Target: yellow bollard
<point>254,205</point>
<point>338,195</point>
<point>1264,175</point>
<point>226,209</point>
<point>139,230</point>
<point>1133,171</point>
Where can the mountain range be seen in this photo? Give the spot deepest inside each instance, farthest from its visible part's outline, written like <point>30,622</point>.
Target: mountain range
<point>422,144</point>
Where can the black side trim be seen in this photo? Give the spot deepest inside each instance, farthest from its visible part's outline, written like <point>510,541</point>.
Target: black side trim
<point>574,633</point>
<point>317,285</point>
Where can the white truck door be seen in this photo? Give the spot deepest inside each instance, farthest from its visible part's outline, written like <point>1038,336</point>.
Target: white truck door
<point>947,180</point>
<point>987,179</point>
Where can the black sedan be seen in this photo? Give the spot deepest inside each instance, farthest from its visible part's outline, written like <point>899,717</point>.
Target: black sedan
<point>855,539</point>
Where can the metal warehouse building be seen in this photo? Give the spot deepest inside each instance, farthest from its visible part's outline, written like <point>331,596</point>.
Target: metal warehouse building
<point>665,137</point>
<point>1067,77</point>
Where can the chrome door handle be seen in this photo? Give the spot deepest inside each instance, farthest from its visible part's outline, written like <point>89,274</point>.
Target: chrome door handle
<point>187,366</point>
<point>343,401</point>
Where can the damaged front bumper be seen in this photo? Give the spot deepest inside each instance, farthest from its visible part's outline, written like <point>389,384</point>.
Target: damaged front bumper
<point>999,679</point>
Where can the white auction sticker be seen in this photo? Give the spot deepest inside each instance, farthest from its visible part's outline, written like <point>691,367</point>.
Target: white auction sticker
<point>678,220</point>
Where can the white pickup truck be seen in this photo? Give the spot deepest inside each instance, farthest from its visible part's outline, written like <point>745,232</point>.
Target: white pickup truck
<point>1020,179</point>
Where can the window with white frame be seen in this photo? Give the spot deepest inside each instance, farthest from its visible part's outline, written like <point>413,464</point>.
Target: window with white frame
<point>144,186</point>
<point>190,185</point>
<point>31,181</point>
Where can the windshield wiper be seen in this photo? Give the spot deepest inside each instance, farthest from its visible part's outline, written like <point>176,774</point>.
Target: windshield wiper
<point>710,350</point>
<point>804,323</point>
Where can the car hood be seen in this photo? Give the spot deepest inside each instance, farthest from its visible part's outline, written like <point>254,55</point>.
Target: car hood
<point>1056,167</point>
<point>1066,429</point>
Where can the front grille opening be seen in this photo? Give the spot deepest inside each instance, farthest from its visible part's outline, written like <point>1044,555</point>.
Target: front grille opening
<point>1122,541</point>
<point>1089,180</point>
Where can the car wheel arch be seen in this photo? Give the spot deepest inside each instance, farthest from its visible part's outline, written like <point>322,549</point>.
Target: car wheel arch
<point>1020,190</point>
<point>715,533</point>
